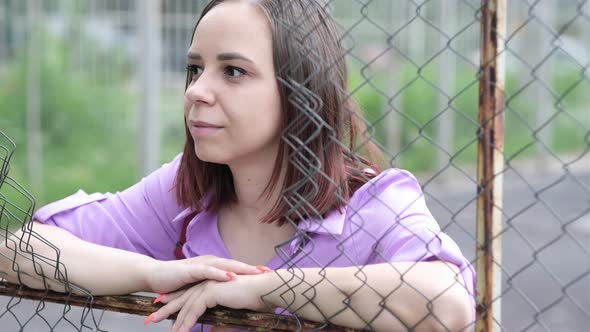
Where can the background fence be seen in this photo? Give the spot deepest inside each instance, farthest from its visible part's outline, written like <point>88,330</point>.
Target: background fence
<point>73,71</point>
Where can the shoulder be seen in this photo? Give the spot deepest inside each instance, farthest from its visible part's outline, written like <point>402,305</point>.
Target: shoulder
<point>392,187</point>
<point>163,178</point>
<point>392,198</point>
<point>388,210</point>
<point>157,189</point>
<point>169,169</point>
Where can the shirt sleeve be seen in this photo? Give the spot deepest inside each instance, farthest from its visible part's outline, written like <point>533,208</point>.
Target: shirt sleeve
<point>139,219</point>
<point>393,209</point>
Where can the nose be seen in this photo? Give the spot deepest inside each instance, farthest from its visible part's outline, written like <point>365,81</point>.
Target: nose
<point>200,92</point>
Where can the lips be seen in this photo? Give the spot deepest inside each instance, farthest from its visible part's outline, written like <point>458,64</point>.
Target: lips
<point>202,129</point>
<point>203,124</point>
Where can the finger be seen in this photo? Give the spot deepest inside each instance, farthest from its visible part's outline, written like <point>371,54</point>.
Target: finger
<point>188,305</point>
<point>236,266</point>
<point>203,272</point>
<point>191,312</point>
<point>166,298</point>
<point>172,307</point>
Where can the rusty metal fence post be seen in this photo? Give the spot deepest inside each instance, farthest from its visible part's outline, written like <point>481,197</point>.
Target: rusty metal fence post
<point>490,161</point>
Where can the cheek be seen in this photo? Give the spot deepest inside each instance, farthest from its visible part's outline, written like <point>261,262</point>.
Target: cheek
<point>186,106</point>
<point>268,115</point>
<point>257,128</point>
<point>256,108</point>
<point>277,113</point>
<point>272,112</point>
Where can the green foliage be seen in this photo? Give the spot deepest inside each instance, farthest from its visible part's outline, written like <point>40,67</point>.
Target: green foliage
<point>572,117</point>
<point>84,122</point>
<point>367,89</point>
<point>416,102</point>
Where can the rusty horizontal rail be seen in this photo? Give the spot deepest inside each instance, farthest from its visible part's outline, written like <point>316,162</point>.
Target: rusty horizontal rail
<point>142,305</point>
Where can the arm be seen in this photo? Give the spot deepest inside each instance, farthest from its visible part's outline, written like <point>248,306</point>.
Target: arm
<point>102,270</point>
<point>322,295</point>
<point>419,296</point>
<point>99,269</point>
<point>104,240</point>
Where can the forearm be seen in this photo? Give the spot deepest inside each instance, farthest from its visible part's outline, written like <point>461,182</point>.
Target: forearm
<point>99,269</point>
<point>429,297</point>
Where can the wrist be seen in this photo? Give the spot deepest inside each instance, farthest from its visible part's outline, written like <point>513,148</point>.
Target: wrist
<point>267,288</point>
<point>146,271</point>
<point>271,285</point>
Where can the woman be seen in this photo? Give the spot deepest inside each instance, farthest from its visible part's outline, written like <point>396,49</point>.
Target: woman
<point>266,182</point>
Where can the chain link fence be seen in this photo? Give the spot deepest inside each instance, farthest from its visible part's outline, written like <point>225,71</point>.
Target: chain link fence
<point>485,102</point>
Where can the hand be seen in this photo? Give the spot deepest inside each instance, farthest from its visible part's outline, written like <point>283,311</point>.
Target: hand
<point>242,293</point>
<point>168,276</point>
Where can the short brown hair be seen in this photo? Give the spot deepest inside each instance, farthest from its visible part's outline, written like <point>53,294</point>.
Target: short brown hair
<point>320,125</point>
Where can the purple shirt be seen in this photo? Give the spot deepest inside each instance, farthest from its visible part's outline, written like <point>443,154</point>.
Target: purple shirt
<point>386,220</point>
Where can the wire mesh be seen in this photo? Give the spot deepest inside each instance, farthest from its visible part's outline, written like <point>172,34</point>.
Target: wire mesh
<point>16,210</point>
<point>415,71</point>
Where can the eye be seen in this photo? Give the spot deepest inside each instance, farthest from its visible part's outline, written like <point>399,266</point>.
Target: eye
<point>234,72</point>
<point>194,71</point>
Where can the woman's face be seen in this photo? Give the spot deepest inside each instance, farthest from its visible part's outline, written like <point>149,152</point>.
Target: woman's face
<point>232,105</point>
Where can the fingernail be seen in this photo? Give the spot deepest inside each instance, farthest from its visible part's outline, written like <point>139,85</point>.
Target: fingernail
<point>150,318</point>
<point>231,275</point>
<point>212,329</point>
<point>263,268</point>
<point>160,298</point>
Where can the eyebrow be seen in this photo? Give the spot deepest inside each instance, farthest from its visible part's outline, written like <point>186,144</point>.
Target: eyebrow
<point>221,57</point>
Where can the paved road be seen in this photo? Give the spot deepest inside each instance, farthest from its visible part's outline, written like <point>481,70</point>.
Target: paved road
<point>546,248</point>
<point>546,257</point>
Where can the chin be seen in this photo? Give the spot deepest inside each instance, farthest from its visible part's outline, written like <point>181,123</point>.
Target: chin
<point>209,157</point>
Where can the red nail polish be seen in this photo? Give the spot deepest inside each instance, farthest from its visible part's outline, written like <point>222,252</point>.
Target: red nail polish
<point>159,298</point>
<point>263,268</point>
<point>150,318</point>
<point>212,329</point>
<point>231,275</point>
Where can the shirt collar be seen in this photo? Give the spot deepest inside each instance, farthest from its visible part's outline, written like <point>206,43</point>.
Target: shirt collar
<point>332,224</point>
<point>182,215</point>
